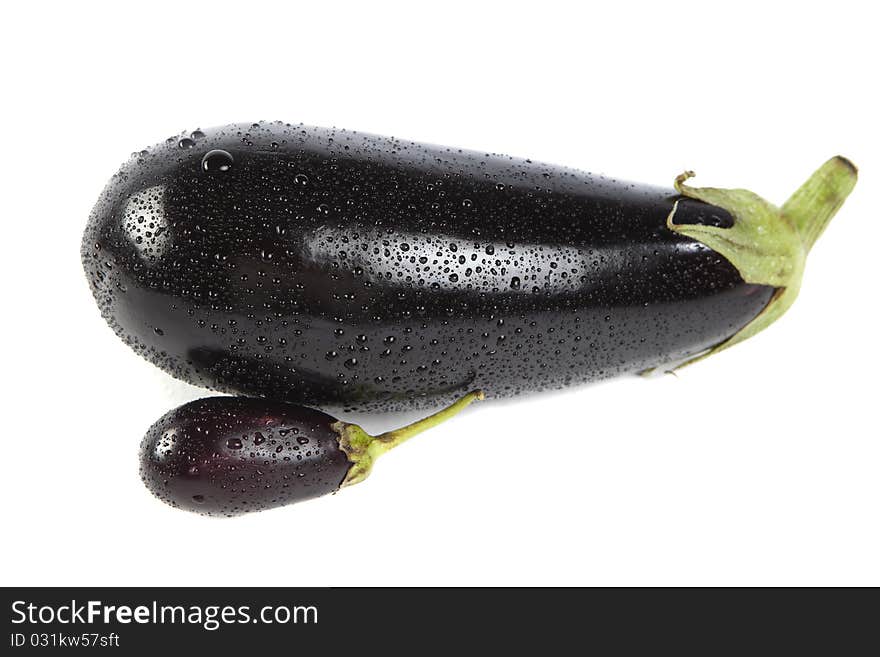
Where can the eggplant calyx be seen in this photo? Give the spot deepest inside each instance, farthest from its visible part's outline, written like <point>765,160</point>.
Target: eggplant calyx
<point>362,449</point>
<point>768,245</point>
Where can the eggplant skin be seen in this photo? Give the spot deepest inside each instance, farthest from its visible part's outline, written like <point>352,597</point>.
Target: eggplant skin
<point>330,267</point>
<point>224,456</point>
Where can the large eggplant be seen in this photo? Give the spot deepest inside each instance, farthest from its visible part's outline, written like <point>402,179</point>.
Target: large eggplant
<point>330,267</point>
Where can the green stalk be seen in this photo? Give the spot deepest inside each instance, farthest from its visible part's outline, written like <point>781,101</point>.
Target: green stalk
<point>768,245</point>
<point>363,449</point>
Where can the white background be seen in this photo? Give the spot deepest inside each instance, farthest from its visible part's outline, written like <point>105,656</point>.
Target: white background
<point>758,466</point>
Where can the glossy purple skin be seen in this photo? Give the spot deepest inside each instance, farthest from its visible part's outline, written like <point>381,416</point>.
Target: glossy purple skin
<point>330,267</point>
<point>224,456</point>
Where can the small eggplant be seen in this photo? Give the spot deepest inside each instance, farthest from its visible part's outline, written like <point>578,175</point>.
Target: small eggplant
<point>330,267</point>
<point>225,456</point>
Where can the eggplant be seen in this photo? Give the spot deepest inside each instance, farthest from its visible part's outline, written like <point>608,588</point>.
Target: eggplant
<point>226,456</point>
<point>329,267</point>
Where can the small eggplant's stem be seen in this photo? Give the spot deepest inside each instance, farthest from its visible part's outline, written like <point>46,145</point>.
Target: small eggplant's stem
<point>391,439</point>
<point>363,449</point>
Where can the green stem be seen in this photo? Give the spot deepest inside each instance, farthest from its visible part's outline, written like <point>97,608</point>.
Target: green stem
<point>391,439</point>
<point>363,449</point>
<point>768,245</point>
<point>813,205</point>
